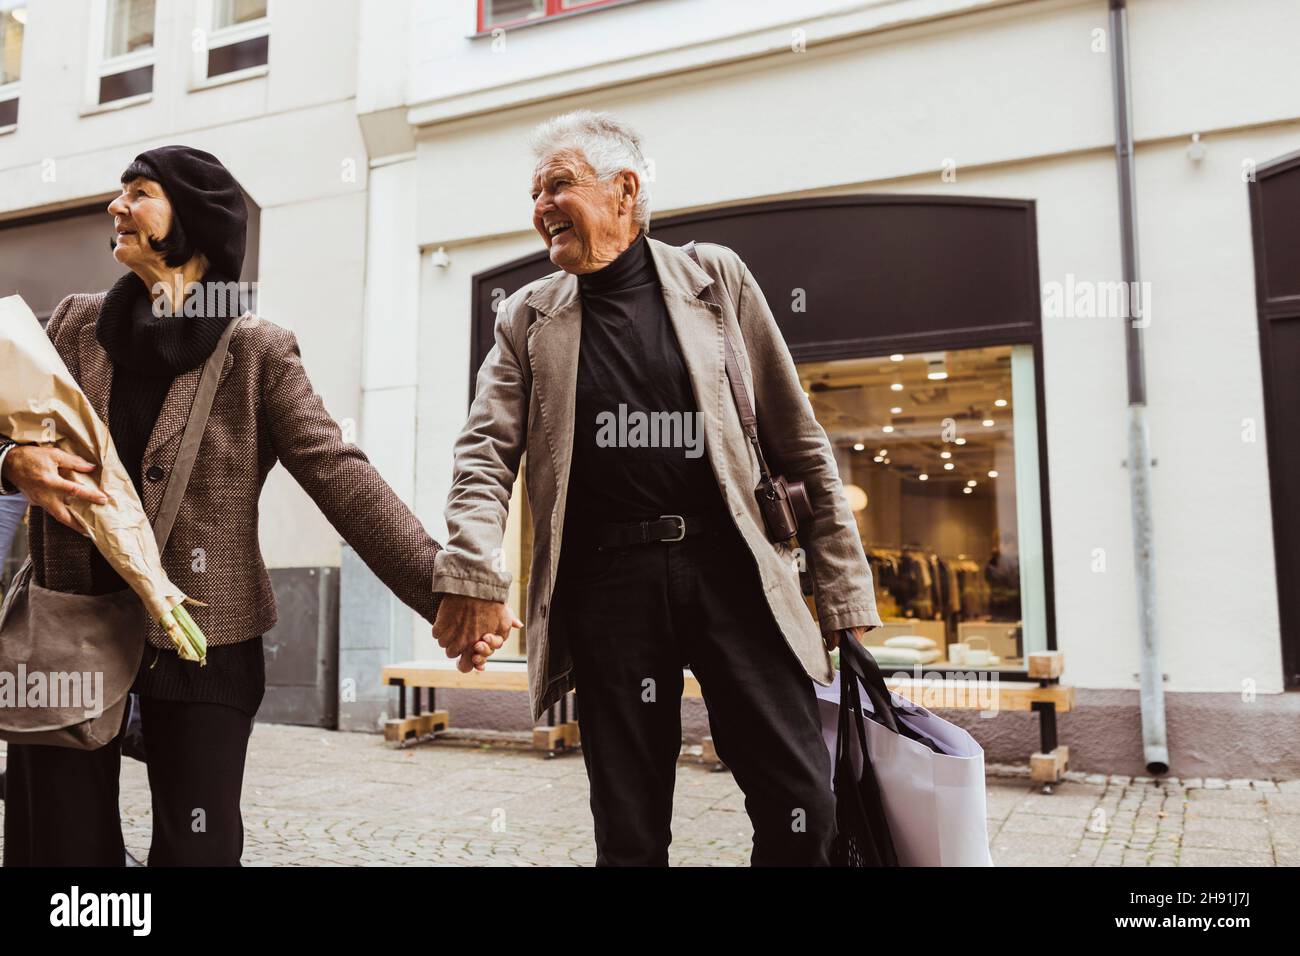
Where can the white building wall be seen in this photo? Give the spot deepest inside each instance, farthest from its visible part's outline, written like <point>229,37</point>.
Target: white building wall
<point>290,137</point>
<point>1019,98</point>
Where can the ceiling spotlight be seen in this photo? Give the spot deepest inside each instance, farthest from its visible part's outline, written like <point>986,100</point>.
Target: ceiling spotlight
<point>993,474</point>
<point>971,483</point>
<point>959,441</point>
<point>884,451</point>
<point>858,446</point>
<point>440,258</point>
<point>896,387</point>
<point>886,461</point>
<point>878,458</point>
<point>896,357</point>
<point>987,423</point>
<point>1196,149</point>
<point>949,466</point>
<point>1001,403</point>
<point>945,454</point>
<point>888,429</point>
<point>922,477</point>
<point>896,410</point>
<point>936,367</point>
<point>967,490</point>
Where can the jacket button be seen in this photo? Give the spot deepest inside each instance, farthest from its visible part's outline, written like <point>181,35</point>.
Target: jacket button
<point>154,473</point>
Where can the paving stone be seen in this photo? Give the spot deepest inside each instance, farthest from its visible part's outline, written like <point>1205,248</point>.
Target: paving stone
<point>1209,856</point>
<point>322,798</point>
<point>1287,801</point>
<point>1225,833</point>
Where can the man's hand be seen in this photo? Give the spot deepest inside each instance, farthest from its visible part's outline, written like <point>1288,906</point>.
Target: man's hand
<point>476,657</point>
<point>465,628</point>
<point>832,637</point>
<point>38,472</point>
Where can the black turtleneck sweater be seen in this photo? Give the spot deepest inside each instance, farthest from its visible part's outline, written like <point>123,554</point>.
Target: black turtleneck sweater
<point>630,356</point>
<point>148,353</point>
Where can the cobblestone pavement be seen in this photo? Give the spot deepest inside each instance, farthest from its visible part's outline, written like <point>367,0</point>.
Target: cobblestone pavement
<point>322,798</point>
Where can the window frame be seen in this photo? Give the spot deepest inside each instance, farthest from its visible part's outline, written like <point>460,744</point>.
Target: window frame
<point>100,66</point>
<point>553,10</point>
<point>219,37</point>
<point>12,91</point>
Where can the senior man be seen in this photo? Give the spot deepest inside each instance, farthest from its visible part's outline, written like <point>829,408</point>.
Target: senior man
<point>649,556</point>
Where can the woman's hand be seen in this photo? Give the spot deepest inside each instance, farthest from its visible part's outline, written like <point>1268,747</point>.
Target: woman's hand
<point>37,471</point>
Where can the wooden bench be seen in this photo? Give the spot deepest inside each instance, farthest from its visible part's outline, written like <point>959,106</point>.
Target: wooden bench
<point>425,721</point>
<point>1042,693</point>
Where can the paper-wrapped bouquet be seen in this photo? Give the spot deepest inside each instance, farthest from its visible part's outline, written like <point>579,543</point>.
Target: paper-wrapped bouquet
<point>41,403</point>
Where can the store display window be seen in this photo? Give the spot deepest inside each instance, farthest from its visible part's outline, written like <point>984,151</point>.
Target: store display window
<point>938,454</point>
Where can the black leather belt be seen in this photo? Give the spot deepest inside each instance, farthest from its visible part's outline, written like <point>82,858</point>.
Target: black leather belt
<point>663,528</point>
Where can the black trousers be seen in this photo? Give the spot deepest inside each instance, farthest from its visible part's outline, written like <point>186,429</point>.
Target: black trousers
<point>61,805</point>
<point>633,618</point>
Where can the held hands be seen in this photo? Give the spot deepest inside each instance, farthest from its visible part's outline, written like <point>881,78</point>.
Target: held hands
<point>472,629</point>
<point>38,472</point>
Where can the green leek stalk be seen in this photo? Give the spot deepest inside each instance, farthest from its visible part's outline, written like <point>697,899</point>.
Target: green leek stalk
<point>185,635</point>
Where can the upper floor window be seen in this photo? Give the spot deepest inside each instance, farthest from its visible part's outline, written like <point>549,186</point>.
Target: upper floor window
<point>129,27</point>
<point>125,67</point>
<point>508,13</point>
<point>230,12</point>
<point>239,42</point>
<point>13,17</point>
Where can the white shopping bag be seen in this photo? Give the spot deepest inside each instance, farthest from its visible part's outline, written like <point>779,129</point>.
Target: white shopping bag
<point>935,803</point>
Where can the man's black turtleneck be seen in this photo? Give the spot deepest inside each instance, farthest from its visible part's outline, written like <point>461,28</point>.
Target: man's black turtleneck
<point>630,357</point>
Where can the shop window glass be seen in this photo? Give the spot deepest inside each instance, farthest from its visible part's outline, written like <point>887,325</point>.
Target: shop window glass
<point>938,455</point>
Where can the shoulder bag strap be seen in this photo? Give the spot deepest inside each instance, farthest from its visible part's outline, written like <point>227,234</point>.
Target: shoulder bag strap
<point>192,438</point>
<point>748,420</point>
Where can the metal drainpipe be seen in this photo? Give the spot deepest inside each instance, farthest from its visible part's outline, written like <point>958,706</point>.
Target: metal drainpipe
<point>1154,740</point>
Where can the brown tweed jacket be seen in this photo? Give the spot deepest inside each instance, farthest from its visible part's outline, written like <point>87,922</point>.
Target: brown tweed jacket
<point>264,411</point>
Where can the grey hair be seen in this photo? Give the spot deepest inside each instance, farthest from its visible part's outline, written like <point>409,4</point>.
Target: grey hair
<point>609,145</point>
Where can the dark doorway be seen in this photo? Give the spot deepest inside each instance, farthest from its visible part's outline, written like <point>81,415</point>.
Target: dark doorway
<point>1275,229</point>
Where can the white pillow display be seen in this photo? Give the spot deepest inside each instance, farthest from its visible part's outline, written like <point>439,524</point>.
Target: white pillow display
<point>902,656</point>
<point>911,641</point>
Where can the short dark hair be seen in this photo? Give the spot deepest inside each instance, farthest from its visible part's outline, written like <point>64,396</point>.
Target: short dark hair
<point>175,247</point>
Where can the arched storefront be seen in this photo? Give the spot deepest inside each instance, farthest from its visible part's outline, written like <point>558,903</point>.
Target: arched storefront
<point>915,322</point>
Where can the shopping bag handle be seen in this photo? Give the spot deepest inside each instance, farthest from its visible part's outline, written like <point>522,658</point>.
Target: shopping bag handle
<point>863,791</point>
<point>856,663</point>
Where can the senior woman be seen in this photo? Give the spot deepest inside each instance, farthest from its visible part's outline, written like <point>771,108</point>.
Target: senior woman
<point>137,351</point>
<point>647,555</point>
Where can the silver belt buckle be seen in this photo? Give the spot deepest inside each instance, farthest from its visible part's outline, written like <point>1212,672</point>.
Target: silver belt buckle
<point>681,522</point>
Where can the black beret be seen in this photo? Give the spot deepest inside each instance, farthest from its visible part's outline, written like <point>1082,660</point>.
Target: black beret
<point>208,202</point>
